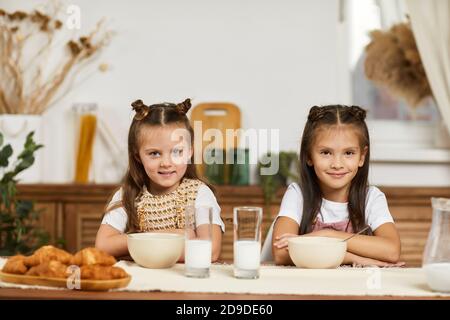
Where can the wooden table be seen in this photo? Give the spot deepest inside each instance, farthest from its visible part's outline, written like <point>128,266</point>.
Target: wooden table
<point>66,294</point>
<point>13,293</point>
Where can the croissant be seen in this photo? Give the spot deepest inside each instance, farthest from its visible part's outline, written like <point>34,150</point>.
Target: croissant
<point>15,265</point>
<point>90,256</point>
<point>98,272</point>
<point>51,269</point>
<point>47,253</point>
<point>52,262</point>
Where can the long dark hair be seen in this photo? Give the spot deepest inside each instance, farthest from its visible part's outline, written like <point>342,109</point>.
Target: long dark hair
<point>312,195</point>
<point>136,177</point>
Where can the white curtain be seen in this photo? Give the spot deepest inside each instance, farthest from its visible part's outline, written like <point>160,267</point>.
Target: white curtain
<point>391,12</point>
<point>430,21</point>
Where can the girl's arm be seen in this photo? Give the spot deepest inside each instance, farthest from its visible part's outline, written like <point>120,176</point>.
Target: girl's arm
<point>115,243</point>
<point>384,245</point>
<point>283,229</point>
<point>356,261</point>
<point>281,243</point>
<point>216,242</point>
<point>112,241</point>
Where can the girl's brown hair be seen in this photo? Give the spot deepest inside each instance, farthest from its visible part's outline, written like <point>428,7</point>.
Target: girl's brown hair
<point>136,177</point>
<point>312,195</point>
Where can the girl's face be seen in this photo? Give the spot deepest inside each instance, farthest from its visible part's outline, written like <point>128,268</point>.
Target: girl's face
<point>336,156</point>
<point>164,151</point>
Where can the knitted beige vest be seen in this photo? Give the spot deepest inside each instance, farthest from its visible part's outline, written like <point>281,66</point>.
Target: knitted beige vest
<point>162,212</point>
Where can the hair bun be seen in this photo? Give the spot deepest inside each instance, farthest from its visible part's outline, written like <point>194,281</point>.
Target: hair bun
<point>141,109</point>
<point>358,112</point>
<point>316,113</point>
<point>184,106</point>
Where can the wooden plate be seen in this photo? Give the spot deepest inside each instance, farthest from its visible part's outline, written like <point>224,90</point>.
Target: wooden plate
<point>91,285</point>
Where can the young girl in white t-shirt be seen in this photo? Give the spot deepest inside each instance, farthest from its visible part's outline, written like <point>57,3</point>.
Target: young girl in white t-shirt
<point>160,181</point>
<point>333,198</point>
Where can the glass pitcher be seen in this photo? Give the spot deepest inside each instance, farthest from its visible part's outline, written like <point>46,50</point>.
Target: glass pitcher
<point>436,258</point>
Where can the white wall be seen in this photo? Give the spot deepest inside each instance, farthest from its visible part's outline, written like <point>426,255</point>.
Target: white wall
<point>274,59</point>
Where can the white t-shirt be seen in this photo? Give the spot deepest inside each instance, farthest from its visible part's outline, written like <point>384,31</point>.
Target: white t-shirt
<point>376,213</point>
<point>118,218</point>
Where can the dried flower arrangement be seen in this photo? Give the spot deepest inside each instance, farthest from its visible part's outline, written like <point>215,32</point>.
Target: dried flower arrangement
<point>27,86</point>
<point>393,60</point>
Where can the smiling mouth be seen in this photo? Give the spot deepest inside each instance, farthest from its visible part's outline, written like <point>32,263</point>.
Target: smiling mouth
<point>337,175</point>
<point>167,173</point>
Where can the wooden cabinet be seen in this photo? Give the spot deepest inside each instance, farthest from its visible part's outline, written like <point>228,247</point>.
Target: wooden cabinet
<point>73,212</point>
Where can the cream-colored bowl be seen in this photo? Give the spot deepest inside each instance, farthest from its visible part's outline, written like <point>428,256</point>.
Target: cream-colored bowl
<point>317,252</point>
<point>155,250</point>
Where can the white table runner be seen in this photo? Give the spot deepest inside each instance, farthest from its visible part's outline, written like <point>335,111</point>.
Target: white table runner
<point>405,282</point>
<point>286,280</point>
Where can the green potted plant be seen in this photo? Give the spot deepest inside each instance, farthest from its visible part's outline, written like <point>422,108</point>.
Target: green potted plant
<point>18,230</point>
<point>287,169</point>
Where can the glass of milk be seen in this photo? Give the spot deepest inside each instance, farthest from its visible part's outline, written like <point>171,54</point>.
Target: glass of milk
<point>247,241</point>
<point>198,235</point>
<point>436,258</point>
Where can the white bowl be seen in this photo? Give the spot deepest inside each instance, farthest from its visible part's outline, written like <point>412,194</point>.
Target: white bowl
<point>317,252</point>
<point>155,250</point>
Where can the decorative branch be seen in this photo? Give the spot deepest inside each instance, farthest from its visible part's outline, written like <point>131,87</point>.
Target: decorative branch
<point>393,61</point>
<point>23,90</point>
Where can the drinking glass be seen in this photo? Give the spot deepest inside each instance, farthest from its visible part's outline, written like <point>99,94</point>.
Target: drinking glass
<point>247,241</point>
<point>198,247</point>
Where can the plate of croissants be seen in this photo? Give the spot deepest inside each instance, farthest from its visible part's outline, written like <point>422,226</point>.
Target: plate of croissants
<point>88,269</point>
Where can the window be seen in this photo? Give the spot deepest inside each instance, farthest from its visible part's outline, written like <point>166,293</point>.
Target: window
<point>364,16</point>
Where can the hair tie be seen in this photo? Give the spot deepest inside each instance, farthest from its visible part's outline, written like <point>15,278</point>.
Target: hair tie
<point>141,109</point>
<point>184,106</point>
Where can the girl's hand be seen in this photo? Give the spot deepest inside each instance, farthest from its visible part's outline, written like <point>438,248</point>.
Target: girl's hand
<point>358,261</point>
<point>320,233</point>
<point>282,240</point>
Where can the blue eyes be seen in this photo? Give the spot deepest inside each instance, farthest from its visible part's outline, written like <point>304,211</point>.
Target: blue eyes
<point>153,154</point>
<point>175,152</point>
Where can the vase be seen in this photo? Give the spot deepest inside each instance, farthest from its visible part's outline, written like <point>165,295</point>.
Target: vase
<point>15,128</point>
